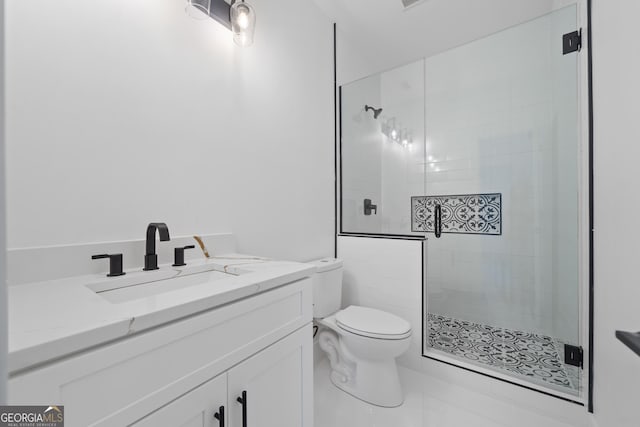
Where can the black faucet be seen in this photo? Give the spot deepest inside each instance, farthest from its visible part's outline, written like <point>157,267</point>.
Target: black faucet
<point>150,257</point>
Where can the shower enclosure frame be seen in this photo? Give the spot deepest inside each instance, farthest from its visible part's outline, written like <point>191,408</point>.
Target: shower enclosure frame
<point>585,220</point>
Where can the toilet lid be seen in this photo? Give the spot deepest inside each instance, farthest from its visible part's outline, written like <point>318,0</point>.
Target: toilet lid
<point>373,323</point>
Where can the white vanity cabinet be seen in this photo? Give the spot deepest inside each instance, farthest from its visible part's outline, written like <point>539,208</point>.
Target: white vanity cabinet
<point>276,391</point>
<point>197,408</point>
<point>181,373</point>
<point>271,385</point>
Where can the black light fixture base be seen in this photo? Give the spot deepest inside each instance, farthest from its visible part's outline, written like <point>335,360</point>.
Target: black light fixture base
<point>220,10</point>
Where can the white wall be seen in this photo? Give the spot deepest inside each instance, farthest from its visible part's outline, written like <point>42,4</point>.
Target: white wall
<point>3,269</point>
<point>617,286</point>
<point>384,35</point>
<point>351,62</point>
<point>121,113</point>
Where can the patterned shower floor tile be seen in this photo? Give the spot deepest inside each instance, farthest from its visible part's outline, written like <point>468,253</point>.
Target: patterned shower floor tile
<point>531,356</point>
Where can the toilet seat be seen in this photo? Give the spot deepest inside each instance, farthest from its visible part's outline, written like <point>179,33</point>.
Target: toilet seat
<point>372,323</point>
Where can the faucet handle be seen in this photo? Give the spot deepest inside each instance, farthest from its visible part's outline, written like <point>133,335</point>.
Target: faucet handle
<point>115,264</point>
<point>178,254</point>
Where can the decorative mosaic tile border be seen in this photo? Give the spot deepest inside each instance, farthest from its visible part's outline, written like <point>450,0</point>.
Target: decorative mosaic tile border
<point>466,214</point>
<point>527,355</point>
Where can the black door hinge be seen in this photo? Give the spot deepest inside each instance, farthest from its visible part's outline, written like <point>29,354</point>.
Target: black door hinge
<point>573,355</point>
<point>572,42</point>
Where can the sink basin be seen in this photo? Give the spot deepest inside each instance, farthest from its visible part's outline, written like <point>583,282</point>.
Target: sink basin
<point>131,279</point>
<point>195,269</point>
<point>143,284</point>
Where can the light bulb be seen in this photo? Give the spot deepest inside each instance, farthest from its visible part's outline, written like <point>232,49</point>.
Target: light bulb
<point>243,22</point>
<point>386,126</point>
<point>394,134</point>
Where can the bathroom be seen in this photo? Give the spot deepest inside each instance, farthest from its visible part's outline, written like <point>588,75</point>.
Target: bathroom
<point>280,199</point>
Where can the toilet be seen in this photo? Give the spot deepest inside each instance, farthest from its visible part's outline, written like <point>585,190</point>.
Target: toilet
<point>362,343</point>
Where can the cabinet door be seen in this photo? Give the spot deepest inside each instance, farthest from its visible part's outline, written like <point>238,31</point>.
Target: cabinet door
<point>194,409</point>
<point>278,383</point>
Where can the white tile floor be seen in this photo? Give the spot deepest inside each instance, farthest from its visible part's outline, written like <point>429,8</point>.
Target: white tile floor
<point>424,406</point>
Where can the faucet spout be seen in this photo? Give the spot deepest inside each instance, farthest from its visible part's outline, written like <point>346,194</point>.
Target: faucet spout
<point>150,257</point>
<point>163,231</point>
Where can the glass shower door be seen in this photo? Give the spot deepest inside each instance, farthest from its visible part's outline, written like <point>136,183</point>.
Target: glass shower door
<point>502,168</point>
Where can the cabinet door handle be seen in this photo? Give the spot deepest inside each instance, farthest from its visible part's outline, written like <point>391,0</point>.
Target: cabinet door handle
<point>220,416</point>
<point>243,401</point>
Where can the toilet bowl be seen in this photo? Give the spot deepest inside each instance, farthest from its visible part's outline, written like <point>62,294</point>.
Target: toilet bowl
<point>362,343</point>
<point>362,353</point>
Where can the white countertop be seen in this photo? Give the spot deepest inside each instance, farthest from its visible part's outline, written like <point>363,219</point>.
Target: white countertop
<point>48,320</point>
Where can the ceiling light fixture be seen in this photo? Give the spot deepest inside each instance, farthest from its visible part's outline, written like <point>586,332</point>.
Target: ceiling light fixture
<point>239,17</point>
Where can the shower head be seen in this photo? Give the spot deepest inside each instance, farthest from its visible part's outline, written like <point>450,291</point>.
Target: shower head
<point>376,111</point>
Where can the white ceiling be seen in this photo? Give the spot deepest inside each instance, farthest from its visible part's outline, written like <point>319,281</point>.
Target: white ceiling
<point>387,35</point>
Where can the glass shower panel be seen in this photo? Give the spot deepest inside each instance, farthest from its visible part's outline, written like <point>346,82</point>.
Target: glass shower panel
<point>382,150</point>
<point>502,156</point>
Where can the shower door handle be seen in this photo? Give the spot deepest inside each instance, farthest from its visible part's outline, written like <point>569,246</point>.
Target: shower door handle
<point>437,224</point>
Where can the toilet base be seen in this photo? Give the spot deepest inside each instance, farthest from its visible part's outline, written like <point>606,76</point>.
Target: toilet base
<point>375,383</point>
<point>364,367</point>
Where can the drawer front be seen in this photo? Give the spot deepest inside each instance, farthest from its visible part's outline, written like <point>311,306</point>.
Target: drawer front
<point>124,381</point>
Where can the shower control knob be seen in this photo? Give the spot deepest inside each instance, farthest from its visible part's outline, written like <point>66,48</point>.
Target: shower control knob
<point>370,207</point>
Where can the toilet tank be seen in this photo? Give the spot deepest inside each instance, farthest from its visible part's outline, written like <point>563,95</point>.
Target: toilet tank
<point>327,287</point>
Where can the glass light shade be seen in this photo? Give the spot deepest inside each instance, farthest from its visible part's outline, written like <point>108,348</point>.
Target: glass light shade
<point>385,127</point>
<point>394,134</point>
<point>243,23</point>
<point>198,9</point>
